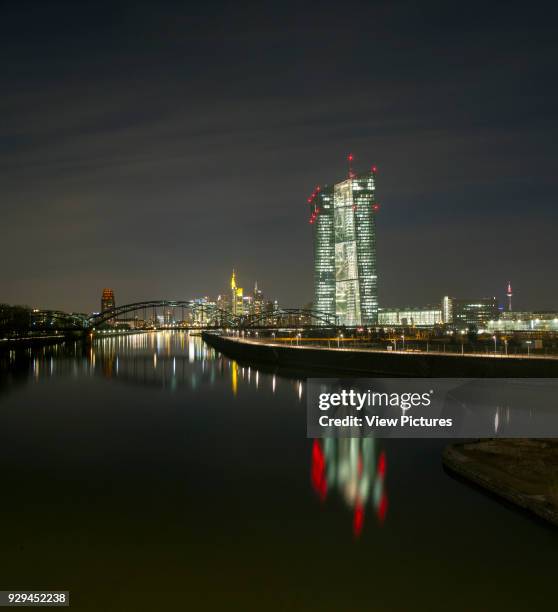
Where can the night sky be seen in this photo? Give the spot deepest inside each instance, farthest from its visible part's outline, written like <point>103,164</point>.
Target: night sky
<point>153,146</point>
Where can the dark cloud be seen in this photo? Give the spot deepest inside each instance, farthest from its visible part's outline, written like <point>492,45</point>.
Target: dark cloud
<point>151,147</point>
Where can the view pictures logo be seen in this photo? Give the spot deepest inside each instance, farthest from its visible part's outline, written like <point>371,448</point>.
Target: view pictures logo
<point>374,399</point>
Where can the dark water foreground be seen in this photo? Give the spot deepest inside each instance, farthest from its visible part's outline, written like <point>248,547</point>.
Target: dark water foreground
<point>150,473</point>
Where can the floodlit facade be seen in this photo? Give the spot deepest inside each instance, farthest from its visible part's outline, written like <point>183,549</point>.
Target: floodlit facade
<point>107,300</point>
<point>345,274</point>
<point>108,303</point>
<point>509,321</point>
<point>447,309</point>
<point>410,317</point>
<point>237,294</point>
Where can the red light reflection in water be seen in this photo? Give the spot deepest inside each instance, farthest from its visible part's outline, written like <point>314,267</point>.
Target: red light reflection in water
<point>318,470</point>
<point>352,466</point>
<point>383,503</point>
<point>382,464</point>
<point>358,520</point>
<point>382,508</point>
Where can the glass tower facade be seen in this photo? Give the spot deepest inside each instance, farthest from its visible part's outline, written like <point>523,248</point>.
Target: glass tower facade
<point>345,276</point>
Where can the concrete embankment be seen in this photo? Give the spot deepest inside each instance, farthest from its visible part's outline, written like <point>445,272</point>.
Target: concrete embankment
<point>382,363</point>
<point>523,472</point>
<point>30,341</point>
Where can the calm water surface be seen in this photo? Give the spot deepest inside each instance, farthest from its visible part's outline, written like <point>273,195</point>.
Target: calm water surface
<point>149,472</point>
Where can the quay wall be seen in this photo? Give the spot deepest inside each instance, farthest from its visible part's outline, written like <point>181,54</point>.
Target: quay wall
<point>383,363</point>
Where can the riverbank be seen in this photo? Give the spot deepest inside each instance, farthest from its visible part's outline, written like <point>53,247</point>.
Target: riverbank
<point>371,362</point>
<point>31,341</point>
<point>523,472</point>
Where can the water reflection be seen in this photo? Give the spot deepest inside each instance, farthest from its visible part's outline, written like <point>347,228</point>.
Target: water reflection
<point>164,359</point>
<point>356,469</point>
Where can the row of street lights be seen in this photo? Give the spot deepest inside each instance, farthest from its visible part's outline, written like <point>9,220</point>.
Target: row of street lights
<point>340,337</point>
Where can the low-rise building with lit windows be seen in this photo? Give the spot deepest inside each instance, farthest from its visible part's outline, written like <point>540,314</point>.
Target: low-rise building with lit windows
<point>544,321</point>
<point>428,316</point>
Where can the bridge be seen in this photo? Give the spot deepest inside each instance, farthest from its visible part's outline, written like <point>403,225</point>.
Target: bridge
<point>186,314</point>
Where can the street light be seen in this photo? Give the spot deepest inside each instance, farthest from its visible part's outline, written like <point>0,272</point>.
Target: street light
<point>339,340</point>
<point>495,340</point>
<point>462,334</point>
<point>528,343</point>
<point>403,338</point>
<point>298,338</point>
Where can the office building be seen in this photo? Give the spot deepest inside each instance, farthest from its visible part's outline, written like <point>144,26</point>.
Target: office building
<point>477,312</point>
<point>410,317</point>
<point>237,293</point>
<point>345,275</point>
<point>107,300</point>
<point>447,309</point>
<point>509,321</point>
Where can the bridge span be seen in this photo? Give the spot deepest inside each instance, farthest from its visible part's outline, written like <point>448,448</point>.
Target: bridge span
<point>184,314</point>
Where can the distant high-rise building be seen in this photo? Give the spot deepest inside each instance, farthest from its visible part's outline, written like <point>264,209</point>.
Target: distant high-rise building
<point>107,300</point>
<point>345,275</point>
<point>224,302</point>
<point>447,309</point>
<point>237,293</point>
<point>509,294</point>
<point>258,304</point>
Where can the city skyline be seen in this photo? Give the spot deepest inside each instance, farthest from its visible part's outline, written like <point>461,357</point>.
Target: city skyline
<point>501,297</point>
<point>277,286</point>
<point>154,171</point>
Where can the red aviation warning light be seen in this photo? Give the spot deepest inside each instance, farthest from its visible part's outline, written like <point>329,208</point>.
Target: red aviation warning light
<point>314,208</point>
<point>350,158</point>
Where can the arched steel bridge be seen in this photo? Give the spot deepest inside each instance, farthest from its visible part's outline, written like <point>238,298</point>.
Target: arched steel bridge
<point>201,315</point>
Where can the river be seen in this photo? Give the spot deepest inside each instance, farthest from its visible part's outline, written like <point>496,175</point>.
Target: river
<point>149,472</point>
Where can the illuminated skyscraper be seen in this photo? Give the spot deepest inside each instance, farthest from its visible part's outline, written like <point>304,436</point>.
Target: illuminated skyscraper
<point>258,300</point>
<point>237,293</point>
<point>107,300</point>
<point>345,276</point>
